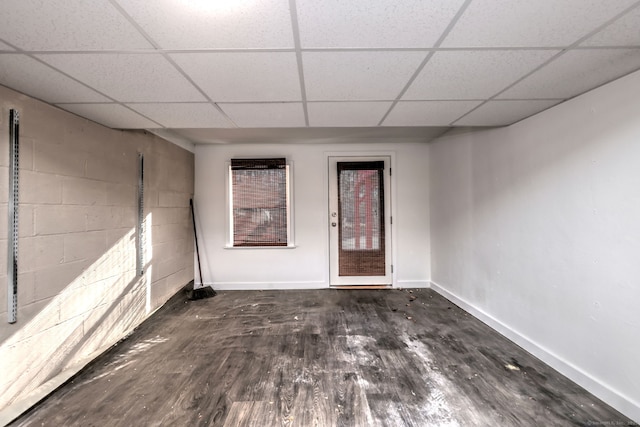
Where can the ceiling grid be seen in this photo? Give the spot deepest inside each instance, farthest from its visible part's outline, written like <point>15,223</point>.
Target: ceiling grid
<point>225,71</point>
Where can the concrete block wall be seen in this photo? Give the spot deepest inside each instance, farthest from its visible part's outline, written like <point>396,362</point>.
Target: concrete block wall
<point>78,287</point>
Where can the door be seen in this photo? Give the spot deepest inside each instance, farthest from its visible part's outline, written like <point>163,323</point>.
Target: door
<point>359,221</point>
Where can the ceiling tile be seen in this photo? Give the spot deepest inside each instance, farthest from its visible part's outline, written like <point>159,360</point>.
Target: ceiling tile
<point>244,77</point>
<point>29,76</point>
<point>4,46</point>
<point>67,25</point>
<point>110,115</point>
<point>502,113</point>
<point>428,113</point>
<point>346,114</point>
<point>575,72</point>
<point>350,76</point>
<point>266,115</point>
<point>623,32</point>
<point>214,24</point>
<point>241,55</point>
<point>183,115</point>
<point>379,23</point>
<point>128,77</point>
<point>511,23</point>
<point>473,74</point>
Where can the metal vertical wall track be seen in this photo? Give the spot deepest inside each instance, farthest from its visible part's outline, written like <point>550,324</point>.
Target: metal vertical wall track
<point>141,224</point>
<point>12,251</point>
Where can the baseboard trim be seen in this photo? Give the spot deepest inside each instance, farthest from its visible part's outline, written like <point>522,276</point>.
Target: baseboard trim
<point>410,284</point>
<point>618,401</point>
<point>263,286</point>
<point>362,287</point>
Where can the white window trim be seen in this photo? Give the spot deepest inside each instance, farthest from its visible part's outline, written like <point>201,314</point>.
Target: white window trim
<point>229,211</point>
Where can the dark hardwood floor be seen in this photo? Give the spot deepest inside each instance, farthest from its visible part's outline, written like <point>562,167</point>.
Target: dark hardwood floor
<point>318,358</point>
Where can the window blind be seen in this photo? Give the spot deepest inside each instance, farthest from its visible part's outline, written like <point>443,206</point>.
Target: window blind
<point>259,202</point>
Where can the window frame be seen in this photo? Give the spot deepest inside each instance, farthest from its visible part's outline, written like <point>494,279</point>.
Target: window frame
<point>229,244</point>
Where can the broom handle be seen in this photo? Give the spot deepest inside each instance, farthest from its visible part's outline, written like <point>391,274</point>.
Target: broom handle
<point>195,236</point>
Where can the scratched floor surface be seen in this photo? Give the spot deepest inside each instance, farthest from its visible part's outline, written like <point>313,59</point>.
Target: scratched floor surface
<point>318,358</point>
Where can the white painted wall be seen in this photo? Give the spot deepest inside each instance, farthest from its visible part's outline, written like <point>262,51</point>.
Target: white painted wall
<point>536,229</point>
<point>307,265</point>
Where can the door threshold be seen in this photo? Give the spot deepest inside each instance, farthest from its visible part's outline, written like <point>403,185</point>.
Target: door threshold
<point>362,287</point>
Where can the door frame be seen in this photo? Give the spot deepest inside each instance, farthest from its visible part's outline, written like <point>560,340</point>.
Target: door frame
<point>390,202</point>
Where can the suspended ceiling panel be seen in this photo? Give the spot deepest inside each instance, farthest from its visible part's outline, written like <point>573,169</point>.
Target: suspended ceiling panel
<point>183,115</point>
<point>214,24</point>
<point>623,32</point>
<point>335,114</point>
<point>575,72</point>
<point>27,74</point>
<point>358,76</point>
<point>111,115</point>
<point>470,74</point>
<point>243,76</point>
<point>503,112</point>
<point>527,23</point>
<point>216,71</point>
<point>266,115</point>
<point>127,77</point>
<point>4,46</point>
<point>428,113</point>
<point>374,23</point>
<point>70,25</point>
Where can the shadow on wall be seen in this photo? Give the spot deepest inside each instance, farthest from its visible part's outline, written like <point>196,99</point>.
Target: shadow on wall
<point>90,314</point>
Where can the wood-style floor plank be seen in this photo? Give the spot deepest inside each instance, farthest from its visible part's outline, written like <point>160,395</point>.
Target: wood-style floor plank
<point>251,414</point>
<point>323,358</point>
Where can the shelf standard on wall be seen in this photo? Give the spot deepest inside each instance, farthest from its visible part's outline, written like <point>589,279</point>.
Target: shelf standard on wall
<point>12,251</point>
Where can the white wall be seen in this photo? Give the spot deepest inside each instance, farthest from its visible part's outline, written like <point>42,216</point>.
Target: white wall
<point>536,230</point>
<point>307,266</point>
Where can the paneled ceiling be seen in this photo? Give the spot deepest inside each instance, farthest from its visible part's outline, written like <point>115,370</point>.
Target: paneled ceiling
<point>249,70</point>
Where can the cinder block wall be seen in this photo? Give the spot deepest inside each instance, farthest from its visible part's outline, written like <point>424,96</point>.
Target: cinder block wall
<point>79,291</point>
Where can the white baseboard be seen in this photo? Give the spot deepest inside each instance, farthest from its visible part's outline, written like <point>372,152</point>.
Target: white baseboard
<point>408,284</point>
<point>262,286</point>
<point>618,401</point>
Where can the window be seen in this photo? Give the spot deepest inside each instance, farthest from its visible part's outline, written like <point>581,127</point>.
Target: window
<point>260,209</point>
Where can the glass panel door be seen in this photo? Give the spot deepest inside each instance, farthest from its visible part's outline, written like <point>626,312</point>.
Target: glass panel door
<point>359,221</point>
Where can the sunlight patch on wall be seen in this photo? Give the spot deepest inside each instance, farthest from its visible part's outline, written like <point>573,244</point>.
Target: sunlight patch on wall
<point>148,256</point>
<point>93,311</point>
